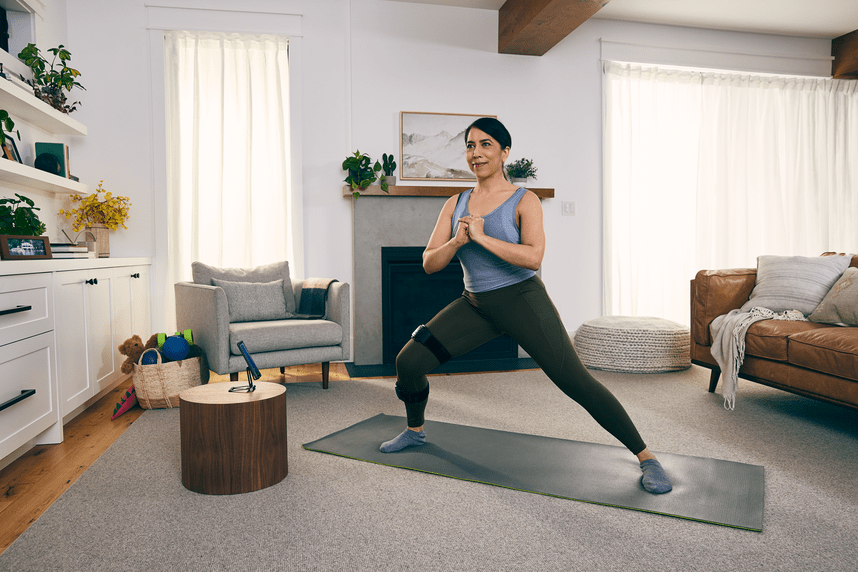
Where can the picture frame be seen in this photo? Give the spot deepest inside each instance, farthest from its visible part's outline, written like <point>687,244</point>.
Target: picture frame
<point>10,150</point>
<point>432,146</point>
<point>14,247</point>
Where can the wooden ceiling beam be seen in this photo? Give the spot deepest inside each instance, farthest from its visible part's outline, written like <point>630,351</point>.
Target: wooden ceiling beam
<point>532,27</point>
<point>845,52</point>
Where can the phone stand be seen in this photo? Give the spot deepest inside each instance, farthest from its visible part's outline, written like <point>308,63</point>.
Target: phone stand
<point>249,388</point>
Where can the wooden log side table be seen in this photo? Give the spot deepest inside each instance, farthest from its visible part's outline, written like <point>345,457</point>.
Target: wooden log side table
<point>232,442</point>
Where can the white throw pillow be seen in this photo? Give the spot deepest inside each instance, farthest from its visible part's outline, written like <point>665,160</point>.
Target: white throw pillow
<point>794,282</point>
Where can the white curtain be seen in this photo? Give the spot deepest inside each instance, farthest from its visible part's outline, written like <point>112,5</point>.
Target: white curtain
<point>710,170</point>
<point>231,202</point>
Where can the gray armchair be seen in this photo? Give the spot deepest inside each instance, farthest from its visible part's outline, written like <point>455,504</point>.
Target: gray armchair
<point>226,305</point>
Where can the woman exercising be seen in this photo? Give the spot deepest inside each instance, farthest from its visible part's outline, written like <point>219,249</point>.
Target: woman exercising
<point>496,231</point>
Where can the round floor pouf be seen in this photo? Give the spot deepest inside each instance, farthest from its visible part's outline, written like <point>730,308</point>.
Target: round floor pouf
<point>633,344</point>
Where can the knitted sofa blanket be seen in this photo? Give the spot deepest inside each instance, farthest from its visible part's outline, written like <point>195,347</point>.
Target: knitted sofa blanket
<point>728,343</point>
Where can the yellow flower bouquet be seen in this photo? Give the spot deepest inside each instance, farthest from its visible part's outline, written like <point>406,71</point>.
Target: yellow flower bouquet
<point>111,212</point>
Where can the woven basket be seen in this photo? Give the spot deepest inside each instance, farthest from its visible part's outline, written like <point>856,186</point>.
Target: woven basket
<point>158,385</point>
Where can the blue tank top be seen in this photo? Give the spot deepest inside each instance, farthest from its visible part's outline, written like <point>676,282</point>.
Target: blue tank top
<point>483,270</point>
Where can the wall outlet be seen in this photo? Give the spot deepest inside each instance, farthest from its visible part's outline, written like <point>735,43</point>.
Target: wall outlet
<point>568,208</point>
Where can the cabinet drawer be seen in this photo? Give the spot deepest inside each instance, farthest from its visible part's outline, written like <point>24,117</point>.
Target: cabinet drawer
<point>27,365</point>
<point>25,306</point>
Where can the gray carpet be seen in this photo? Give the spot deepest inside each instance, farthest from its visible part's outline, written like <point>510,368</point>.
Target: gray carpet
<point>129,511</point>
<point>708,490</point>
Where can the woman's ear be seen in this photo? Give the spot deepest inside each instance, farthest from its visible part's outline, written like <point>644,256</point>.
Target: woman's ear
<point>505,154</point>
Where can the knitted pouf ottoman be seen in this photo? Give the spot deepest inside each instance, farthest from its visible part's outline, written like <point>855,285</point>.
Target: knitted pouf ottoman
<point>633,344</point>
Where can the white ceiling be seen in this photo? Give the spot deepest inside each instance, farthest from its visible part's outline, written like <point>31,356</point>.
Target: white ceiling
<point>813,19</point>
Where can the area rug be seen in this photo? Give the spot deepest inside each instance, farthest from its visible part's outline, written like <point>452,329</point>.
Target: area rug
<point>707,490</point>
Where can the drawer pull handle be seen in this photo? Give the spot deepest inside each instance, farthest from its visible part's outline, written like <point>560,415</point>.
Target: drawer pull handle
<point>92,281</point>
<point>15,310</point>
<point>25,393</point>
<point>136,275</point>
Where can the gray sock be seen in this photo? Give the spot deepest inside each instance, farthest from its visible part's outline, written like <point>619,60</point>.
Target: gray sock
<point>654,478</point>
<point>407,438</point>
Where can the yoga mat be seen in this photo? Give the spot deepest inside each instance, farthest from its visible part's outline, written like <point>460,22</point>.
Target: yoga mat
<point>707,490</point>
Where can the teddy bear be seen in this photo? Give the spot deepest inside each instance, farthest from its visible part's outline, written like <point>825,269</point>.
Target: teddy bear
<point>133,348</point>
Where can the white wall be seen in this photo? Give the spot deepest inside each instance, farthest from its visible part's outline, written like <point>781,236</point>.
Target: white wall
<point>364,61</point>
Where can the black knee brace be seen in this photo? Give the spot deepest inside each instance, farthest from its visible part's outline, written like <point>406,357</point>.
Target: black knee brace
<point>425,337</point>
<point>409,397</point>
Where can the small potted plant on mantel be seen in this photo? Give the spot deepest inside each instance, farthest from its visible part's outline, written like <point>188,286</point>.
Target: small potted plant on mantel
<point>520,170</point>
<point>363,173</point>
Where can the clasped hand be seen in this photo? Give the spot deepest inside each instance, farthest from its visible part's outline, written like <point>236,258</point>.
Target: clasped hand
<point>470,227</point>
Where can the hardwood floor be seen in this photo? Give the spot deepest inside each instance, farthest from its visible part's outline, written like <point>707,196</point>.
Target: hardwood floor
<point>33,482</point>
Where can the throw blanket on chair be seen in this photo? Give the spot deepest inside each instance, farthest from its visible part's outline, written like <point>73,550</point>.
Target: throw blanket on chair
<point>728,343</point>
<point>313,297</point>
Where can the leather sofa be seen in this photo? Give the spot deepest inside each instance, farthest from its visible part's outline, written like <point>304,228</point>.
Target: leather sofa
<point>806,358</point>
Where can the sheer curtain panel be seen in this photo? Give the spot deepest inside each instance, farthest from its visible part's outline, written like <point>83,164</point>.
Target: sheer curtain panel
<point>707,170</point>
<point>231,202</point>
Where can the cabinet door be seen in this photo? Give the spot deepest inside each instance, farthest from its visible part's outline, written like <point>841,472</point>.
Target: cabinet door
<point>76,385</point>
<point>141,302</point>
<point>131,301</point>
<point>100,290</point>
<point>86,356</point>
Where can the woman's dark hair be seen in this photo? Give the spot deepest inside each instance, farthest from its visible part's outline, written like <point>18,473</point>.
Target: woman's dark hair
<point>494,128</point>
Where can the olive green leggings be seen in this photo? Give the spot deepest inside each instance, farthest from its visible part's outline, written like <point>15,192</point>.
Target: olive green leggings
<point>525,312</point>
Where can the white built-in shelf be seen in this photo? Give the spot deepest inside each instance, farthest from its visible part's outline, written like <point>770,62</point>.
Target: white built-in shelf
<point>24,105</point>
<point>19,174</point>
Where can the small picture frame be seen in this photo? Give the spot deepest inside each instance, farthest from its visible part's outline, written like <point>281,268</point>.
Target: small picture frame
<point>10,150</point>
<point>24,247</point>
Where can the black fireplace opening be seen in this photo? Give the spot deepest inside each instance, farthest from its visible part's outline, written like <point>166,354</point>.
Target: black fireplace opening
<point>411,297</point>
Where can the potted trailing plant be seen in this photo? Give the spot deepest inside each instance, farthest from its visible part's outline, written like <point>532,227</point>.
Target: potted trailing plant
<point>362,172</point>
<point>18,217</point>
<point>520,170</point>
<point>51,79</point>
<point>99,216</point>
<point>388,166</point>
<point>6,125</point>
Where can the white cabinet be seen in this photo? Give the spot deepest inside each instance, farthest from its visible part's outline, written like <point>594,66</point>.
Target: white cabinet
<point>29,402</point>
<point>97,310</point>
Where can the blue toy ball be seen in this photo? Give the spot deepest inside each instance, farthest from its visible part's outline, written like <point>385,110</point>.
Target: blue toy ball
<point>175,348</point>
<point>150,358</point>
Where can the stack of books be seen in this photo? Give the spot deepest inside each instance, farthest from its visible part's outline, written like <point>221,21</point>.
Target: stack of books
<point>66,250</point>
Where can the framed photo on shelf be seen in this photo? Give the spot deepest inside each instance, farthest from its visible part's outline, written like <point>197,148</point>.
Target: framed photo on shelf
<point>10,150</point>
<point>24,247</point>
<point>432,146</point>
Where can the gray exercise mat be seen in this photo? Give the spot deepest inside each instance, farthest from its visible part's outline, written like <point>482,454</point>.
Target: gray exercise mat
<point>706,490</point>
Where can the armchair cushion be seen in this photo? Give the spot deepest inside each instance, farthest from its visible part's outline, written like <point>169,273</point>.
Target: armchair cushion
<point>203,274</point>
<point>277,335</point>
<point>254,301</point>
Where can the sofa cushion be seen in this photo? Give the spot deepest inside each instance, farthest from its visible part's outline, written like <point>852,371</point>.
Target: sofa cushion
<point>278,335</point>
<point>254,301</point>
<point>769,339</point>
<point>794,282</point>
<point>840,305</point>
<point>203,274</point>
<point>831,350</point>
